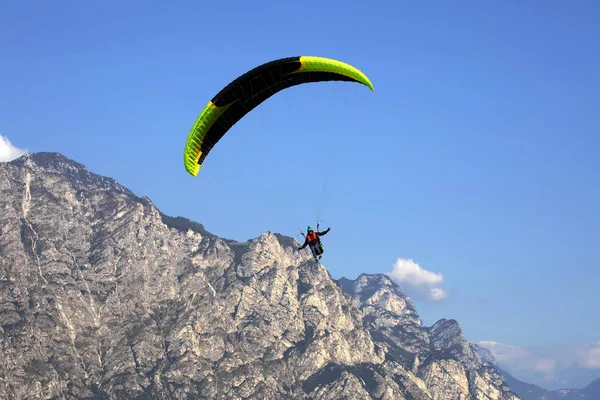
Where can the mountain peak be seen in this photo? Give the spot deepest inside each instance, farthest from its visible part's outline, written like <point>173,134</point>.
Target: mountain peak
<point>379,292</point>
<point>447,336</point>
<point>75,173</point>
<point>486,355</point>
<point>48,160</point>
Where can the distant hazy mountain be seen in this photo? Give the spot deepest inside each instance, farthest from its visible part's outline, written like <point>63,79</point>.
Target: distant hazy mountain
<point>528,391</point>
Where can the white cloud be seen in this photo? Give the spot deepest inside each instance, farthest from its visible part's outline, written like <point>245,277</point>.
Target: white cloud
<point>417,281</point>
<point>437,294</point>
<point>507,354</point>
<point>551,367</point>
<point>545,365</point>
<point>590,356</point>
<point>8,152</point>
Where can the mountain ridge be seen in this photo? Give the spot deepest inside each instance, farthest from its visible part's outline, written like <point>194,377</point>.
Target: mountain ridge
<point>107,297</point>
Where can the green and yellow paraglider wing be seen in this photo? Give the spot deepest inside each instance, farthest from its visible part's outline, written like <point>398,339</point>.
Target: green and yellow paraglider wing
<point>249,90</point>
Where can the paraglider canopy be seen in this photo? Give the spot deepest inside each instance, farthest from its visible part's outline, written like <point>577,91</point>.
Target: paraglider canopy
<point>252,88</point>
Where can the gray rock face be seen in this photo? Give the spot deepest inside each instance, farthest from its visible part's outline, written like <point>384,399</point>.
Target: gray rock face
<point>486,355</point>
<point>103,296</point>
<point>439,358</point>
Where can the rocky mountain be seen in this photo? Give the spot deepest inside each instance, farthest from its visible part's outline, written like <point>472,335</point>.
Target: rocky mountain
<point>103,296</point>
<point>486,355</point>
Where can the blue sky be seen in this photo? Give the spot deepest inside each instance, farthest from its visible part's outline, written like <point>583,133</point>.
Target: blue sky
<point>476,156</point>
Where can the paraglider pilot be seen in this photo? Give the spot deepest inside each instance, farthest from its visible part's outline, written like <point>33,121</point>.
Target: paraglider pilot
<point>313,240</point>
